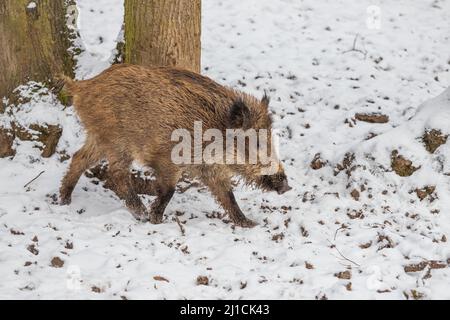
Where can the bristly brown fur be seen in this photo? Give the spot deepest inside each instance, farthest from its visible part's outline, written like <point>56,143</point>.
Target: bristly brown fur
<point>130,112</point>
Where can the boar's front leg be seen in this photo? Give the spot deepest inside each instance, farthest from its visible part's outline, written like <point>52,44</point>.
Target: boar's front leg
<point>159,205</point>
<point>167,179</point>
<point>224,195</point>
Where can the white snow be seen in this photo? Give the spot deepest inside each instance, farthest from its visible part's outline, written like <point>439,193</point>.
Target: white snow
<point>32,5</point>
<point>301,52</point>
<point>99,23</point>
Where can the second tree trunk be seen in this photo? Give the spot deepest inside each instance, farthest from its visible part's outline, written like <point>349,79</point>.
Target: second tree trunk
<point>163,33</point>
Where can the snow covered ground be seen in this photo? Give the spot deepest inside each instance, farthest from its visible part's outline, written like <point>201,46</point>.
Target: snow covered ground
<point>350,229</point>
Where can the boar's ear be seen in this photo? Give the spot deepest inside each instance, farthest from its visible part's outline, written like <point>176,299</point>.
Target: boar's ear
<point>265,99</point>
<point>239,116</point>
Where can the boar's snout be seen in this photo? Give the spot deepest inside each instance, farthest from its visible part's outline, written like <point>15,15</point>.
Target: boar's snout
<point>285,187</point>
<point>277,182</point>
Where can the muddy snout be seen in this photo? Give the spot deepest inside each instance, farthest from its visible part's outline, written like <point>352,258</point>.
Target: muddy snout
<point>284,187</point>
<point>277,182</point>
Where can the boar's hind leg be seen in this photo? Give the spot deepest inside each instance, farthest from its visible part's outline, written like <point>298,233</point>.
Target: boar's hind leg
<point>165,188</point>
<point>119,171</point>
<point>82,160</point>
<point>225,197</point>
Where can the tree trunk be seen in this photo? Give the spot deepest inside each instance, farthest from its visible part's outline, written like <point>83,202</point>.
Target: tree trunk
<point>163,32</point>
<point>34,42</point>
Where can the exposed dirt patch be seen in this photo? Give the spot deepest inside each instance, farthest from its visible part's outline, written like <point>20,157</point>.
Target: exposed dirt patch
<point>385,242</point>
<point>347,275</point>
<point>304,232</point>
<point>372,117</point>
<point>402,166</point>
<point>6,143</point>
<point>48,135</point>
<point>317,163</point>
<point>32,249</point>
<point>426,192</point>
<point>16,232</point>
<point>355,194</point>
<point>202,281</point>
<point>355,214</point>
<point>278,237</point>
<point>366,245</point>
<point>347,165</point>
<point>96,289</point>
<point>57,262</point>
<point>433,139</point>
<point>433,264</point>
<point>69,245</point>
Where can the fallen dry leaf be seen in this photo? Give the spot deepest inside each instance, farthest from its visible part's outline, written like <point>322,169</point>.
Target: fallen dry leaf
<point>159,278</point>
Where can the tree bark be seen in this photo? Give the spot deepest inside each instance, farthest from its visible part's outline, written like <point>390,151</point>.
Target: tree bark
<point>34,42</point>
<point>163,32</point>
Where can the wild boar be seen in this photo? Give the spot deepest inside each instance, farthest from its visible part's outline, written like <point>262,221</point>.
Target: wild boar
<point>130,114</point>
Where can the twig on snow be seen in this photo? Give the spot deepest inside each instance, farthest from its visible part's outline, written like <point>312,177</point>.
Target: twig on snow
<point>364,52</point>
<point>336,233</point>
<point>37,177</point>
<point>183,230</point>
<point>344,257</point>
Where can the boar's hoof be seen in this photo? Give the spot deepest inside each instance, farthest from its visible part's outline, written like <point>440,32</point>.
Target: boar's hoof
<point>65,199</point>
<point>139,216</point>
<point>245,223</point>
<point>156,219</point>
<point>65,202</point>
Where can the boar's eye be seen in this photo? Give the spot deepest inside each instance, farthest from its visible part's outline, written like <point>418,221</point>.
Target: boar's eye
<point>281,177</point>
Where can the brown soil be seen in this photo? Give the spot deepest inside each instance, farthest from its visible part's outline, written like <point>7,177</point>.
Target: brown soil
<point>355,194</point>
<point>425,192</point>
<point>48,135</point>
<point>433,139</point>
<point>57,262</point>
<point>372,117</point>
<point>202,281</point>
<point>416,267</point>
<point>317,162</point>
<point>6,143</point>
<point>32,249</point>
<point>347,165</point>
<point>402,166</point>
<point>347,275</point>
